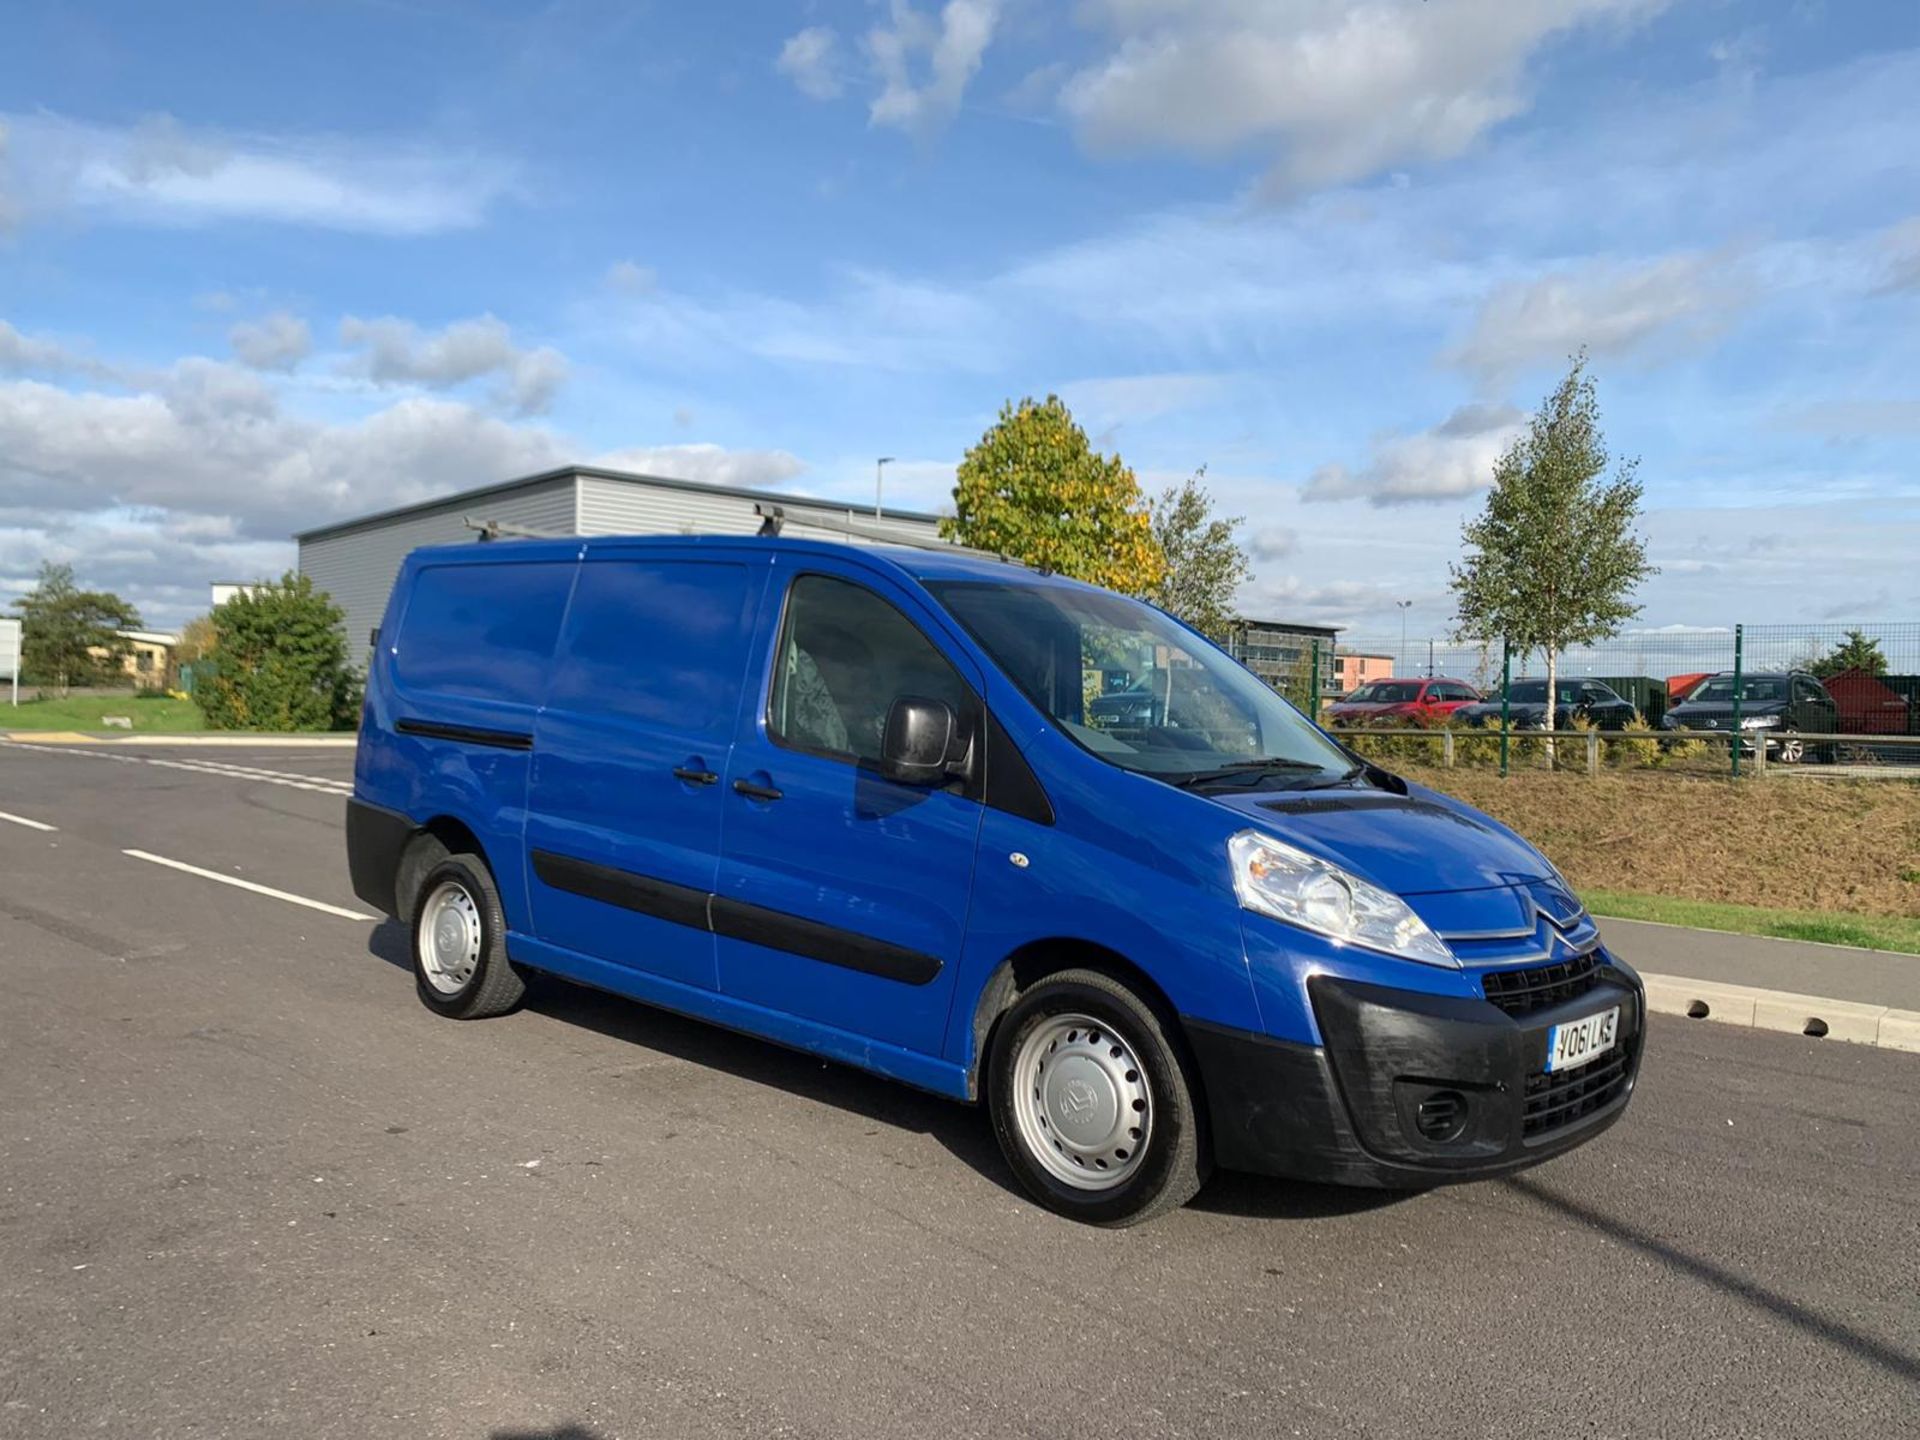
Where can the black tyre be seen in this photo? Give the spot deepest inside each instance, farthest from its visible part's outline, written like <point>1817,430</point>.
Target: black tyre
<point>460,964</point>
<point>1092,1102</point>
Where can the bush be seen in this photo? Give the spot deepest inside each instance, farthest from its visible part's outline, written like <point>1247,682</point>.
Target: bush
<point>1634,754</point>
<point>279,662</point>
<point>1477,744</point>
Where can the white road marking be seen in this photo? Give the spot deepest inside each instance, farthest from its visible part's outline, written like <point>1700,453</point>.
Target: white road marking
<point>318,784</point>
<point>238,883</point>
<point>22,820</point>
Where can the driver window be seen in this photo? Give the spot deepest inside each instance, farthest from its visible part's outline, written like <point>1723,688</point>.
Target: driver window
<point>845,655</point>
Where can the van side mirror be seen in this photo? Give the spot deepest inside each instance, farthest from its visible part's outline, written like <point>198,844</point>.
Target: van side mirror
<point>920,735</point>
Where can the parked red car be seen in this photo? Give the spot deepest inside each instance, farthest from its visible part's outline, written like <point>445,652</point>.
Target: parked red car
<point>1405,702</point>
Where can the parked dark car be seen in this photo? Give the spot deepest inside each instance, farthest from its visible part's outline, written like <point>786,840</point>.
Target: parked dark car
<point>1783,700</point>
<point>1585,700</point>
<point>1402,702</point>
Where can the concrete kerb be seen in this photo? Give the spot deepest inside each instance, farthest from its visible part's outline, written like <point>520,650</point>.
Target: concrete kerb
<point>1813,1015</point>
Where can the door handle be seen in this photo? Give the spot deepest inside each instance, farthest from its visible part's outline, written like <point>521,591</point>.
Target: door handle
<point>694,777</point>
<point>755,792</point>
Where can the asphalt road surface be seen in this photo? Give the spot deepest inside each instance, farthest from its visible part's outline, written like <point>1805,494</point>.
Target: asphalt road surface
<point>249,1186</point>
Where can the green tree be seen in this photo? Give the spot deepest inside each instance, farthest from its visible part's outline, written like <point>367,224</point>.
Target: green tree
<point>281,658</point>
<point>196,640</point>
<point>1034,490</point>
<point>1205,563</point>
<point>1856,652</point>
<point>70,636</point>
<point>1554,560</point>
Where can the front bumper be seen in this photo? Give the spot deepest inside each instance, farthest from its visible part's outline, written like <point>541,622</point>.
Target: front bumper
<point>1360,1109</point>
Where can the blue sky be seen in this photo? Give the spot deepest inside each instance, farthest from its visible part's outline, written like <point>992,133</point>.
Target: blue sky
<point>265,266</point>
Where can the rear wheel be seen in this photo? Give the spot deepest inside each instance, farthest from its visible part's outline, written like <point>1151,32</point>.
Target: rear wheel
<point>460,964</point>
<point>1092,1103</point>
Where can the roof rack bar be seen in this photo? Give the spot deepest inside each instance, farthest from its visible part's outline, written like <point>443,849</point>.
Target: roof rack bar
<point>507,530</point>
<point>774,519</point>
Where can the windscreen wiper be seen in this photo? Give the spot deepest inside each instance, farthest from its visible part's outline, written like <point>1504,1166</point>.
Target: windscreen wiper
<point>1249,769</point>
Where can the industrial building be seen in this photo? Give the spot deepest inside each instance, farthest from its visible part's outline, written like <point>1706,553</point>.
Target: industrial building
<point>1281,653</point>
<point>356,561</point>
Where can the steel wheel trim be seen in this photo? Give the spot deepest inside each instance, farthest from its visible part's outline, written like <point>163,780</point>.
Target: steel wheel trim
<point>449,938</point>
<point>1792,751</point>
<point>1081,1102</point>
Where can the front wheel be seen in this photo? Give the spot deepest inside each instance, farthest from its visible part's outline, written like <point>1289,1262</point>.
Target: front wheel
<point>1092,1104</point>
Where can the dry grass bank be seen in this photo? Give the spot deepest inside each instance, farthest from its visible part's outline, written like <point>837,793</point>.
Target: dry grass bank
<point>1787,842</point>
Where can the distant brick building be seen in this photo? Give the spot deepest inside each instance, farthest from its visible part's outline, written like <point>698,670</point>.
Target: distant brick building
<point>1354,668</point>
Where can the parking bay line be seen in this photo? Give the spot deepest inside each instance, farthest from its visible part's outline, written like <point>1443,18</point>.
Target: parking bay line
<point>23,820</point>
<point>240,884</point>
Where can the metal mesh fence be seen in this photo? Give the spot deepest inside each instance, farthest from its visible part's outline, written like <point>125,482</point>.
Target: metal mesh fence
<point>1840,695</point>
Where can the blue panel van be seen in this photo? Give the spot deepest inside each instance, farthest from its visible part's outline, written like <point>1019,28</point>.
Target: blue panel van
<point>862,801</point>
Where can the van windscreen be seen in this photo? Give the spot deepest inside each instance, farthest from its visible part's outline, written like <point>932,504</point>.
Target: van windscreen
<point>1136,688</point>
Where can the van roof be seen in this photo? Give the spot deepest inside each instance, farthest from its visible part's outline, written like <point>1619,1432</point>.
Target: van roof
<point>933,563</point>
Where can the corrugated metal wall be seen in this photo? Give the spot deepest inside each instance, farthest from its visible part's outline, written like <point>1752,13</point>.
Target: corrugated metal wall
<point>357,566</point>
<point>628,507</point>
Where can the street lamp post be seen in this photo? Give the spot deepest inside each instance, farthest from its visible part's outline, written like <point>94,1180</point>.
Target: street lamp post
<point>1405,605</point>
<point>879,481</point>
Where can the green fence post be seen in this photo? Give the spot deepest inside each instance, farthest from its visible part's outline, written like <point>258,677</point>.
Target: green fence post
<point>1313,688</point>
<point>1739,685</point>
<point>1506,686</point>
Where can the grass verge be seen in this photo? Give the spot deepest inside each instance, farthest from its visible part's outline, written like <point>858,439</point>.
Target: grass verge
<point>88,712</point>
<point>1869,932</point>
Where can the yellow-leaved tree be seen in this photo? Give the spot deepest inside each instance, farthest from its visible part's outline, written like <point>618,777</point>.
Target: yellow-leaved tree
<point>1034,490</point>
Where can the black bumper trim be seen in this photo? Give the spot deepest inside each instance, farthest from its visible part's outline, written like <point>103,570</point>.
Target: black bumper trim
<point>376,838</point>
<point>1347,1112</point>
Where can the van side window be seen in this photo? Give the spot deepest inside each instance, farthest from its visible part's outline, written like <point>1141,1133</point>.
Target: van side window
<point>845,655</point>
<point>484,630</point>
<point>662,642</point>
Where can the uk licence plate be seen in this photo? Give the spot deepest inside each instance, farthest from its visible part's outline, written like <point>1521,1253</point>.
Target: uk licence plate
<point>1575,1042</point>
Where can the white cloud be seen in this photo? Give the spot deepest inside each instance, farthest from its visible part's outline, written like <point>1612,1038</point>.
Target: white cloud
<point>1343,90</point>
<point>9,207</point>
<point>1111,401</point>
<point>278,341</point>
<point>811,60</point>
<point>1901,244</point>
<point>1678,302</point>
<point>212,438</point>
<point>871,319</point>
<point>631,278</point>
<point>1332,602</point>
<point>399,352</point>
<point>1274,542</point>
<point>1858,418</point>
<point>952,48</point>
<point>709,464</point>
<point>159,172</point>
<point>1454,458</point>
<point>35,355</point>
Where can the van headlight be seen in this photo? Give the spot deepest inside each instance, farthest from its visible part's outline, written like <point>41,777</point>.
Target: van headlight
<point>1759,722</point>
<point>1275,879</point>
